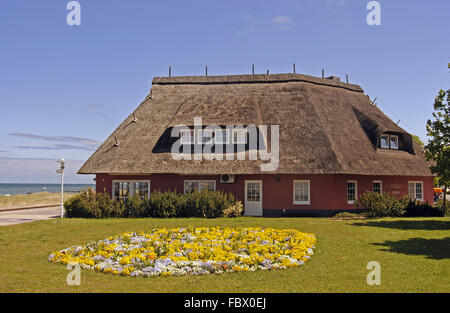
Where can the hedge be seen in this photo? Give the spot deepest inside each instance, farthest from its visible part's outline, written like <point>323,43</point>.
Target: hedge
<point>210,204</point>
<point>374,204</point>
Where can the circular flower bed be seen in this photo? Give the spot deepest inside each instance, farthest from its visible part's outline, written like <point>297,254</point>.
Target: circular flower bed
<point>192,251</point>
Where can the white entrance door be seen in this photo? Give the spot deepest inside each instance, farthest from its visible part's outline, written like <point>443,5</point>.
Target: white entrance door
<point>253,198</point>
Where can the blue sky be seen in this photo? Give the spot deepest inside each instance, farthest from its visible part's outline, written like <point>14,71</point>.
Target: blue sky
<point>64,89</point>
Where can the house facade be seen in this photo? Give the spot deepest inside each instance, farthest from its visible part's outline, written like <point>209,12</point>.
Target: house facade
<point>332,144</point>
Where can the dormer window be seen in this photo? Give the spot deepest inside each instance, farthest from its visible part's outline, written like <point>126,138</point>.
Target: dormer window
<point>385,141</point>
<point>389,141</point>
<point>393,141</point>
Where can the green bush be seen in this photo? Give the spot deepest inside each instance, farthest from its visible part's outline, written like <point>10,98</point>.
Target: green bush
<point>388,205</point>
<point>382,205</point>
<point>416,208</point>
<point>234,210</point>
<point>210,204</point>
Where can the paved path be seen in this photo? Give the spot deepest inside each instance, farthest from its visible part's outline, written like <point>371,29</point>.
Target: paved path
<point>29,215</point>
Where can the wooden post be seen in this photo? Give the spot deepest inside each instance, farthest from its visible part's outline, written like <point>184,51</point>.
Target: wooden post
<point>323,73</point>
<point>346,78</point>
<point>206,70</point>
<point>267,71</point>
<point>294,68</point>
<point>170,71</point>
<point>253,69</point>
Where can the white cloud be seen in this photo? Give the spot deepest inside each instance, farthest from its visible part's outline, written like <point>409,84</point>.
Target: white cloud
<point>282,22</point>
<point>251,24</point>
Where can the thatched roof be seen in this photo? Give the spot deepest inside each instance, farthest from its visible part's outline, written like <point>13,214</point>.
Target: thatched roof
<point>326,127</point>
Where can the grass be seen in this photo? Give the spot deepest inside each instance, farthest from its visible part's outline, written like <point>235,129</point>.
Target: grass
<point>414,255</point>
<point>40,198</point>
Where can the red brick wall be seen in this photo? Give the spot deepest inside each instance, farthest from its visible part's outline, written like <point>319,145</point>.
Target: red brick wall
<point>328,192</point>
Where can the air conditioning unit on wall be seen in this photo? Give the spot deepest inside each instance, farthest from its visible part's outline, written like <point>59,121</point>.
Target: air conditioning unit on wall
<point>226,179</point>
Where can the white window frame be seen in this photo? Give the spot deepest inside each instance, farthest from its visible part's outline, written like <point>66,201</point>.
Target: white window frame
<point>415,182</point>
<point>237,131</point>
<point>260,191</point>
<point>198,181</point>
<point>356,191</point>
<point>381,185</point>
<point>131,182</point>
<point>220,142</point>
<point>309,192</point>
<point>191,131</point>
<point>388,141</point>
<point>396,141</point>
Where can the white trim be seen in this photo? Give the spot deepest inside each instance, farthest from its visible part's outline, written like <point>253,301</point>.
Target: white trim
<point>390,141</point>
<point>309,193</point>
<point>260,191</point>
<point>381,141</point>
<point>198,181</point>
<point>260,196</point>
<point>416,182</point>
<point>381,185</point>
<point>356,191</point>
<point>131,181</point>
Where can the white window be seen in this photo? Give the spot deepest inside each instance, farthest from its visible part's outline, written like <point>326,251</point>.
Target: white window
<point>377,186</point>
<point>199,185</point>
<point>187,136</point>
<point>352,189</point>
<point>301,192</point>
<point>205,136</point>
<point>393,141</point>
<point>221,136</point>
<point>389,141</point>
<point>124,189</point>
<point>385,141</point>
<point>239,136</point>
<point>253,191</point>
<point>415,190</point>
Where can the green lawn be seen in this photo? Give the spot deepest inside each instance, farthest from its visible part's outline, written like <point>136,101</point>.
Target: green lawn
<point>414,255</point>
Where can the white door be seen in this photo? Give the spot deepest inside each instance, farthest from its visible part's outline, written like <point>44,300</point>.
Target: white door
<point>253,198</point>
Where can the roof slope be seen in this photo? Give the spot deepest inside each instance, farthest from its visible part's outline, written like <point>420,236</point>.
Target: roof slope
<point>326,127</point>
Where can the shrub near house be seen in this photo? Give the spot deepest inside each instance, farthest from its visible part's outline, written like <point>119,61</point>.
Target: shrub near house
<point>374,204</point>
<point>210,204</point>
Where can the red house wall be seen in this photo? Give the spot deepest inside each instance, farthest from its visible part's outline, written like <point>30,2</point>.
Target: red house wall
<point>328,193</point>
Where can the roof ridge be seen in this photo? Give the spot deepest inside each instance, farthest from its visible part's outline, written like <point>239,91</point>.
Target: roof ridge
<point>253,79</point>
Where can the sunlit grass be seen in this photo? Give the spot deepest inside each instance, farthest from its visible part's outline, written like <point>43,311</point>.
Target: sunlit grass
<point>40,198</point>
<point>414,255</point>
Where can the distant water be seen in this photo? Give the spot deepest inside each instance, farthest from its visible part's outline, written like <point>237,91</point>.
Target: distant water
<point>15,189</point>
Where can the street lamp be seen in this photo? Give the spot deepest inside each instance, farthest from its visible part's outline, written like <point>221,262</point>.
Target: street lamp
<point>61,171</point>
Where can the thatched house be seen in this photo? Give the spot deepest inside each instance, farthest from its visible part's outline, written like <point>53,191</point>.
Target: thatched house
<point>334,144</point>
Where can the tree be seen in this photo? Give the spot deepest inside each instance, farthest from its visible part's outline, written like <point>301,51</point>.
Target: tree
<point>438,147</point>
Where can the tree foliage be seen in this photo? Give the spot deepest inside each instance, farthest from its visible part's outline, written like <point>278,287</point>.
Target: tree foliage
<point>438,131</point>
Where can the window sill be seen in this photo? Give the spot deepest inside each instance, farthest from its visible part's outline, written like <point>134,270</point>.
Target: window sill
<point>351,202</point>
<point>301,203</point>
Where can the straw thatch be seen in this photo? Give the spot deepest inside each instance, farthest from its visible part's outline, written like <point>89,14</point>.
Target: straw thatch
<point>326,127</point>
